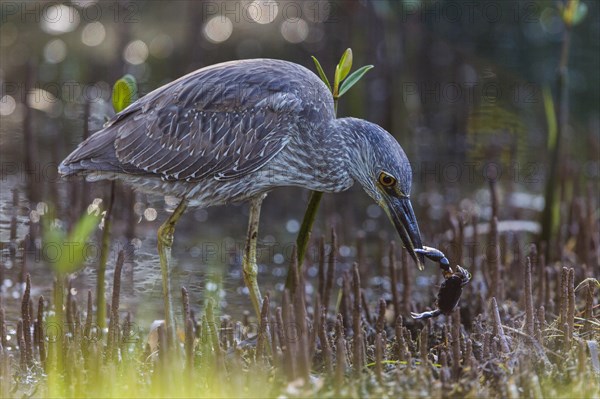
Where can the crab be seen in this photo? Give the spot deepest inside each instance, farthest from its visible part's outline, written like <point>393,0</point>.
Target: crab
<point>450,290</point>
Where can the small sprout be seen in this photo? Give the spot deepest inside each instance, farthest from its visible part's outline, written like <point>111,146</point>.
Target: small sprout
<point>341,73</point>
<point>573,13</point>
<point>342,69</point>
<point>124,93</point>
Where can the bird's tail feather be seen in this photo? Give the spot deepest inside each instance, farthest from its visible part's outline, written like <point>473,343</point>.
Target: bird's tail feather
<point>94,155</point>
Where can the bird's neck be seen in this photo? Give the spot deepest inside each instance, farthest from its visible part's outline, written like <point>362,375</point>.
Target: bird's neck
<point>354,138</point>
<point>323,160</point>
<point>341,143</point>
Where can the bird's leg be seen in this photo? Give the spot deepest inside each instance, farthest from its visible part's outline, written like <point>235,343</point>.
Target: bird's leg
<point>165,241</point>
<point>250,269</point>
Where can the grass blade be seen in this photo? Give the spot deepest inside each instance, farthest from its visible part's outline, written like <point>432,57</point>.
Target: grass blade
<point>593,347</point>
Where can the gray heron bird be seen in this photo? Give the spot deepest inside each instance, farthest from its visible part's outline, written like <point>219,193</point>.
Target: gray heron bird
<point>234,131</point>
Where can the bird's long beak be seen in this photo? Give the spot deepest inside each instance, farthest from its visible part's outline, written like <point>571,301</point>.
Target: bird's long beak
<point>401,212</point>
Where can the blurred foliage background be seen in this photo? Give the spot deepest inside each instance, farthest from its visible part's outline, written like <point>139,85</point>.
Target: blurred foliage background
<point>454,81</point>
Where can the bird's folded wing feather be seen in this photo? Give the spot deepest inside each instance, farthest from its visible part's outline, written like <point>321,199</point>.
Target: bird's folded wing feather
<point>226,140</point>
<point>221,121</point>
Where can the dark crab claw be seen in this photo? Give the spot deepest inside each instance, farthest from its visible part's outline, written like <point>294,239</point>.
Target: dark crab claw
<point>425,315</point>
<point>435,255</point>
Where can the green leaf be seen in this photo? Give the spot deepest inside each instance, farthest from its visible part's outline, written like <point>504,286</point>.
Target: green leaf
<point>573,13</point>
<point>75,250</point>
<point>84,228</point>
<point>321,72</point>
<point>124,93</point>
<point>353,78</point>
<point>579,14</point>
<point>53,236</point>
<point>50,231</point>
<point>67,252</point>
<point>341,70</point>
<point>344,66</point>
<point>550,117</point>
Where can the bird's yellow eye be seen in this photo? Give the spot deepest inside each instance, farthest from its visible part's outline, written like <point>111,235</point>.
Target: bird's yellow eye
<point>386,180</point>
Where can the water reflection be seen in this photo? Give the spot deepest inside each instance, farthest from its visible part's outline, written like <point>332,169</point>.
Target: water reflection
<point>207,257</point>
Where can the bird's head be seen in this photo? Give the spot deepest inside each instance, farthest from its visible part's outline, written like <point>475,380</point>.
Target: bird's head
<point>379,164</point>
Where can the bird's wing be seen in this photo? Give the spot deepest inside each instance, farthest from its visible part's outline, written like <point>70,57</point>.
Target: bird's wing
<point>179,142</point>
<point>221,121</point>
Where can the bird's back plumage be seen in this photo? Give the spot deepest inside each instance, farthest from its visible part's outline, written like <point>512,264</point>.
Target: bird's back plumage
<point>221,122</point>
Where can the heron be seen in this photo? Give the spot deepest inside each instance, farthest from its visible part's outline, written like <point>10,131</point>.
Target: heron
<point>232,132</point>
